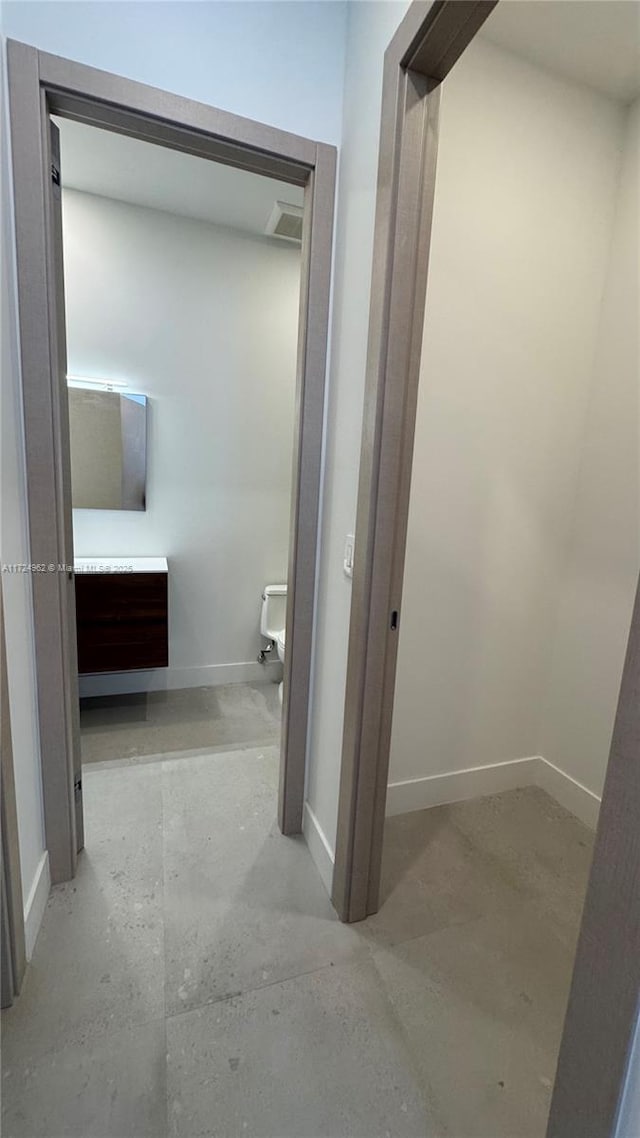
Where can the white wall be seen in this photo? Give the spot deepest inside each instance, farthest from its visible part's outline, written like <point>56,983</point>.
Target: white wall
<point>525,198</point>
<point>371,27</point>
<point>14,545</point>
<point>278,62</point>
<point>204,321</point>
<point>600,574</point>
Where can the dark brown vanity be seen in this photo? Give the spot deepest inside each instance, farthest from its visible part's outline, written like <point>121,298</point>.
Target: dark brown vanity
<point>122,614</point>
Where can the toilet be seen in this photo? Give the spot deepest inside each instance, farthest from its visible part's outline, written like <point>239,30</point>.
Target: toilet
<point>272,620</point>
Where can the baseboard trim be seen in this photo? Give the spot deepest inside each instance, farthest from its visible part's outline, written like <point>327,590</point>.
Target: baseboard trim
<point>457,786</point>
<point>477,782</point>
<point>570,793</point>
<point>171,679</point>
<point>36,904</point>
<point>318,846</point>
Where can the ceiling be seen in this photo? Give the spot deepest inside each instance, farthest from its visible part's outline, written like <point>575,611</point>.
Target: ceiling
<point>593,42</point>
<point>116,166</point>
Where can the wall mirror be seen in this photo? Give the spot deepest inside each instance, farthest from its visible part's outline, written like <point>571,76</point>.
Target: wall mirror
<point>108,432</point>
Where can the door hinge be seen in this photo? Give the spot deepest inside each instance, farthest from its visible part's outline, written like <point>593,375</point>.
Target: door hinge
<point>77,787</point>
<point>55,174</point>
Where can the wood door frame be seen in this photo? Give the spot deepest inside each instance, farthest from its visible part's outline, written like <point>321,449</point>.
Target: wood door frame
<point>422,52</point>
<point>604,1001</point>
<point>40,85</point>
<point>13,948</point>
<point>605,993</point>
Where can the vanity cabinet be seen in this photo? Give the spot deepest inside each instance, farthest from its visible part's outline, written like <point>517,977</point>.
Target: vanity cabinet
<point>122,614</point>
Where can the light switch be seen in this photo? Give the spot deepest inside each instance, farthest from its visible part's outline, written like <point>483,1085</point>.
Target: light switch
<point>347,564</point>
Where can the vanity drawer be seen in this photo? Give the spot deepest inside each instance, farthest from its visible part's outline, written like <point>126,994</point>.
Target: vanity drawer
<point>122,621</point>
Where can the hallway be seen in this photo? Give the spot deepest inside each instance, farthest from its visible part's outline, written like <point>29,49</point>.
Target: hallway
<point>193,980</point>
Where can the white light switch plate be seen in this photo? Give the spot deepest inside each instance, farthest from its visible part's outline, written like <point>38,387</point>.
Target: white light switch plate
<point>349,546</point>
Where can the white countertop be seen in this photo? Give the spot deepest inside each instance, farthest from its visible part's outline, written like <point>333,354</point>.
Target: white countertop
<point>120,565</point>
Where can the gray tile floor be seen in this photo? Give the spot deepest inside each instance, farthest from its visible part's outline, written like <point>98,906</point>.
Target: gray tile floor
<point>182,722</point>
<point>193,979</point>
<point>172,722</point>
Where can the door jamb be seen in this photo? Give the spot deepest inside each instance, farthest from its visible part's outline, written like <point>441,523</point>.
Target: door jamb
<point>41,84</point>
<point>604,1001</point>
<point>424,49</point>
<point>14,960</point>
<point>605,994</point>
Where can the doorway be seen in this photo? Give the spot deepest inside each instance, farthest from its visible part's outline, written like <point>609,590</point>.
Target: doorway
<point>449,665</point>
<point>42,86</point>
<point>181,315</point>
<point>181,329</point>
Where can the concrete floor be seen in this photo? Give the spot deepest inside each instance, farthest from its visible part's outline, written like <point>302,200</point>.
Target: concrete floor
<point>183,721</point>
<point>193,980</point>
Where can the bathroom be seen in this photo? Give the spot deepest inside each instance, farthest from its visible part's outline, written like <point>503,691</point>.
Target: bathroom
<point>181,306</point>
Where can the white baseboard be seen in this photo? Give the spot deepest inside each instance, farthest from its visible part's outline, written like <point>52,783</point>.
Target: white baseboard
<point>36,904</point>
<point>570,793</point>
<point>170,679</point>
<point>319,847</point>
<point>456,786</point>
<point>476,782</point>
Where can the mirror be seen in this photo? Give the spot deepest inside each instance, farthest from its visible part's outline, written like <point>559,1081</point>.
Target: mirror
<point>108,432</point>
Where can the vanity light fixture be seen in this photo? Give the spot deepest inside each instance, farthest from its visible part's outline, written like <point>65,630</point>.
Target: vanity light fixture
<point>103,384</point>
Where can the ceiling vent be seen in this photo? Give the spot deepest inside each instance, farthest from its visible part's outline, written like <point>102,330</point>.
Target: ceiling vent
<point>286,222</point>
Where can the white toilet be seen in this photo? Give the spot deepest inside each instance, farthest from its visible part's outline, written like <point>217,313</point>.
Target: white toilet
<point>272,620</point>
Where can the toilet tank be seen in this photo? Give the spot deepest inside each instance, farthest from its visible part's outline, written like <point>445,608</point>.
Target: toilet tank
<point>274,610</point>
